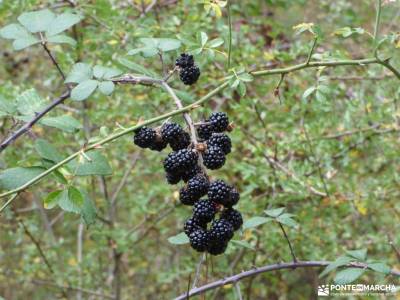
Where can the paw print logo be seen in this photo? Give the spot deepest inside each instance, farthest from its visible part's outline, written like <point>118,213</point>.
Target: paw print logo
<point>323,290</point>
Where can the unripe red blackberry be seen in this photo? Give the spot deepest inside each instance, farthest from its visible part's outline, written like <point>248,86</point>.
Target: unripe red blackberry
<point>144,137</point>
<point>220,140</point>
<point>179,161</point>
<point>171,132</point>
<point>219,121</point>
<point>193,224</point>
<point>221,230</point>
<point>204,131</point>
<point>199,240</point>
<point>180,142</point>
<point>234,217</point>
<point>204,210</point>
<point>184,61</point>
<point>217,248</point>
<point>214,158</point>
<point>189,75</point>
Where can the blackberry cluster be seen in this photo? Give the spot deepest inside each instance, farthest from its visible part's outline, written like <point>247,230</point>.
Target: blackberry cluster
<point>189,73</point>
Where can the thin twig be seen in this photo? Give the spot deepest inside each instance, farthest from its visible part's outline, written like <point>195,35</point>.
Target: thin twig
<point>198,269</point>
<point>55,63</point>
<point>228,6</point>
<point>311,50</point>
<point>397,251</point>
<point>378,19</point>
<point>289,243</point>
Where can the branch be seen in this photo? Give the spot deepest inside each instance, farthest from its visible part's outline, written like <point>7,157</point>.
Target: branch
<point>198,268</point>
<point>279,266</point>
<point>289,243</point>
<point>228,4</point>
<point>32,122</point>
<point>53,60</point>
<point>378,19</point>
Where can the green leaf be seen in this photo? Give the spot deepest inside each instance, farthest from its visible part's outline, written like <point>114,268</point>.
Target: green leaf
<point>47,151</point>
<point>101,72</point>
<point>145,51</point>
<point>243,244</point>
<point>88,211</point>
<point>37,21</point>
<point>179,239</point>
<point>97,165</point>
<point>71,200</point>
<point>52,199</point>
<point>241,89</point>
<point>163,44</point>
<point>83,90</point>
<point>15,177</point>
<point>309,91</point>
<point>254,222</point>
<point>340,261</point>
<point>80,72</point>
<point>23,43</point>
<point>215,43</point>
<point>348,275</point>
<point>135,67</point>
<point>246,77</point>
<point>379,267</point>
<point>286,219</point>
<point>275,212</point>
<point>13,32</point>
<point>64,122</point>
<point>61,39</point>
<point>106,87</point>
<point>203,38</point>
<point>63,22</point>
<point>360,255</point>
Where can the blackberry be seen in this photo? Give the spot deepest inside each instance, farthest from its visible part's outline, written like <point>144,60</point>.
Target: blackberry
<point>199,240</point>
<point>221,230</point>
<point>190,173</point>
<point>198,186</point>
<point>181,142</point>
<point>204,210</point>
<point>173,178</point>
<point>219,121</point>
<point>234,217</point>
<point>144,137</point>
<point>193,224</point>
<point>217,248</point>
<point>220,140</point>
<point>179,161</point>
<point>234,198</point>
<point>219,192</point>
<point>158,145</point>
<point>204,131</point>
<point>186,197</point>
<point>214,158</point>
<point>189,75</point>
<point>171,132</point>
<point>184,61</point>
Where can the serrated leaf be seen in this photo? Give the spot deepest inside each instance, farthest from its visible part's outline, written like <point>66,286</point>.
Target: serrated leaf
<point>64,122</point>
<point>96,165</point>
<point>360,255</point>
<point>135,67</point>
<point>47,151</point>
<point>88,211</point>
<point>255,222</point>
<point>243,244</point>
<point>340,261</point>
<point>80,72</point>
<point>179,239</point>
<point>106,87</point>
<point>71,200</point>
<point>63,22</point>
<point>61,39</point>
<point>101,72</point>
<point>29,103</point>
<point>348,275</point>
<point>15,177</point>
<point>379,267</point>
<point>52,199</point>
<point>83,90</point>
<point>13,32</point>
<point>22,43</point>
<point>37,21</point>
<point>275,212</point>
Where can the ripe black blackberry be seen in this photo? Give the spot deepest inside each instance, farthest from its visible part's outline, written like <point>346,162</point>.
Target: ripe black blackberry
<point>193,224</point>
<point>221,230</point>
<point>204,131</point>
<point>204,210</point>
<point>220,140</point>
<point>159,144</point>
<point>171,132</point>
<point>189,75</point>
<point>217,248</point>
<point>214,158</point>
<point>180,142</point>
<point>199,240</point>
<point>178,161</point>
<point>184,61</point>
<point>186,197</point>
<point>219,192</point>
<point>219,121</point>
<point>194,190</point>
<point>190,173</point>
<point>234,198</point>
<point>234,217</point>
<point>144,137</point>
<point>173,178</point>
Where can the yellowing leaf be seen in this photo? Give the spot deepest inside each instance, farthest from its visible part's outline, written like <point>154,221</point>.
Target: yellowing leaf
<point>112,42</point>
